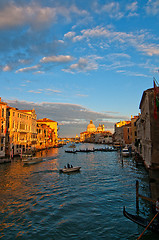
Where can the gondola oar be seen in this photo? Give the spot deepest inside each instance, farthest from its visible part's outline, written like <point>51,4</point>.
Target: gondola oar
<point>147,226</point>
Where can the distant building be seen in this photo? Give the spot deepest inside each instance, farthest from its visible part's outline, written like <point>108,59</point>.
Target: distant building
<point>53,125</point>
<point>134,130</point>
<point>91,127</point>
<point>45,136</point>
<point>96,135</point>
<point>122,132</point>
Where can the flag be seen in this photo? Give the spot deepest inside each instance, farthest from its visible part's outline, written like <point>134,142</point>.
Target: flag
<point>155,100</point>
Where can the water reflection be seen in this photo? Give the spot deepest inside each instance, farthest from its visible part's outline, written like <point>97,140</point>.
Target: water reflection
<point>39,203</point>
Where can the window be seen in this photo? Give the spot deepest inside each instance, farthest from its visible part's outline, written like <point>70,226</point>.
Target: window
<point>2,127</point>
<point>2,112</point>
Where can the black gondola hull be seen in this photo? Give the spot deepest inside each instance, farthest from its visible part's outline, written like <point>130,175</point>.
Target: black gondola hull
<point>142,221</point>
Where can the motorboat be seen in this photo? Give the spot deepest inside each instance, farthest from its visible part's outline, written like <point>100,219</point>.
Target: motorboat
<point>69,170</point>
<point>125,152</point>
<point>32,160</point>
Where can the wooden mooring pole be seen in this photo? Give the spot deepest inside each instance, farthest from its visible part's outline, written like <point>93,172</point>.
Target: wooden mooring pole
<point>142,197</point>
<point>137,195</point>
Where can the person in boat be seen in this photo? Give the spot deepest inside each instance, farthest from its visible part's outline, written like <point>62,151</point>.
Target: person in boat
<point>71,166</point>
<point>68,165</point>
<point>64,167</point>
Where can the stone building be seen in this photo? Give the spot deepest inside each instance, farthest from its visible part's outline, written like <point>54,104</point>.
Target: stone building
<point>149,130</point>
<point>3,129</point>
<point>127,134</point>
<point>121,133</point>
<point>21,131</point>
<point>96,135</point>
<point>134,130</point>
<point>53,125</point>
<point>45,136</point>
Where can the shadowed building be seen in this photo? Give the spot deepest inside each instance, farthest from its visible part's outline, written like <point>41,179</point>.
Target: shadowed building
<point>149,130</point>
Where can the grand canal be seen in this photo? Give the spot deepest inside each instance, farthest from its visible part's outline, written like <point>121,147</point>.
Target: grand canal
<point>37,202</point>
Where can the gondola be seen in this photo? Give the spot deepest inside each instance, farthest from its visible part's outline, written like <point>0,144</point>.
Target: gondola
<point>142,221</point>
<point>70,151</point>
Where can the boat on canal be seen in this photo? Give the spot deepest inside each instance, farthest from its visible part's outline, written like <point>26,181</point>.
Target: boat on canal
<point>70,151</point>
<point>142,221</point>
<point>69,170</point>
<point>32,160</point>
<point>125,152</point>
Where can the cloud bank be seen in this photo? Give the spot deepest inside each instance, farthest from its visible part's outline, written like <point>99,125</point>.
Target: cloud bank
<point>71,118</point>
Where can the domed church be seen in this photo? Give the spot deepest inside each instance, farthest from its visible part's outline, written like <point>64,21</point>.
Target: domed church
<point>91,127</point>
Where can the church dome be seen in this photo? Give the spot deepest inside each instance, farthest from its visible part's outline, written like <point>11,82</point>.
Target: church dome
<point>99,129</point>
<point>91,127</point>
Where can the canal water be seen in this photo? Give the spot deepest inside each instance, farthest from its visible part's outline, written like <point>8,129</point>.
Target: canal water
<point>37,202</point>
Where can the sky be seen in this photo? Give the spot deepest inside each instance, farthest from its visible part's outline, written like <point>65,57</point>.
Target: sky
<point>75,61</point>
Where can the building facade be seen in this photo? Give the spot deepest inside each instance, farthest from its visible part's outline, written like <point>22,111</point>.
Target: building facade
<point>96,135</point>
<point>3,129</point>
<point>149,130</point>
<point>53,126</point>
<point>21,131</point>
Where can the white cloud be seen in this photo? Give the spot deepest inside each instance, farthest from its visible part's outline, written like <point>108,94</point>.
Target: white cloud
<point>83,65</point>
<point>137,40</point>
<point>39,72</point>
<point>112,9</point>
<point>28,69</point>
<point>6,68</point>
<point>69,35</point>
<point>152,7</point>
<point>35,15</point>
<point>60,58</point>
<point>81,95</point>
<point>132,6</point>
<point>53,91</point>
<point>33,91</point>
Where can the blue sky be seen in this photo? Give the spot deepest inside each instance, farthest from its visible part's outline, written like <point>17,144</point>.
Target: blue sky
<point>75,61</point>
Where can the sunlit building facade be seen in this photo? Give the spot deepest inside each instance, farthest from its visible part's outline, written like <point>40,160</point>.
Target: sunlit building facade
<point>45,136</point>
<point>121,133</point>
<point>3,130</point>
<point>53,126</point>
<point>21,131</point>
<point>96,135</point>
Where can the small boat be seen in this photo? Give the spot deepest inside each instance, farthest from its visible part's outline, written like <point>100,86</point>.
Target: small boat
<point>32,160</point>
<point>125,152</point>
<point>70,151</point>
<point>72,146</point>
<point>69,170</point>
<point>142,221</point>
